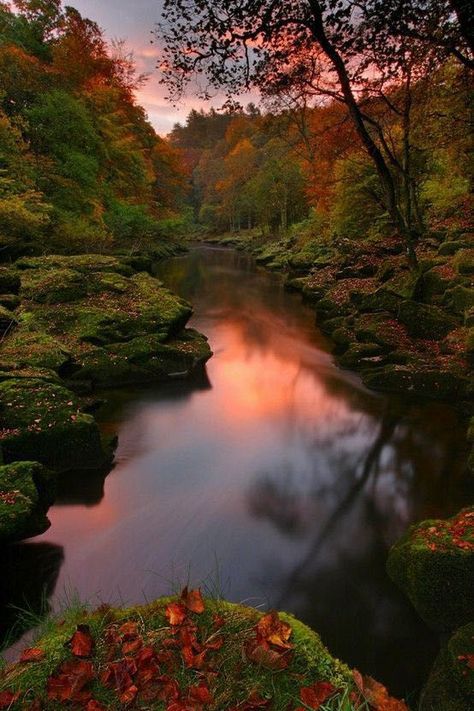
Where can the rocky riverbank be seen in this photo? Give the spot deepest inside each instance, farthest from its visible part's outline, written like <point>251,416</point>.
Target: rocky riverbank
<point>71,325</point>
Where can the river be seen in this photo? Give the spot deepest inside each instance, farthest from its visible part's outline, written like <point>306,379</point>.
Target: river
<point>275,479</point>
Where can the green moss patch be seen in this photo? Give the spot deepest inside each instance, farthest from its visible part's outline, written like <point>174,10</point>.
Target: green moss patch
<point>434,565</point>
<point>185,653</point>
<point>26,491</point>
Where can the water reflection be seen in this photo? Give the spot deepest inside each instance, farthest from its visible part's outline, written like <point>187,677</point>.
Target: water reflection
<point>283,484</point>
<point>29,575</point>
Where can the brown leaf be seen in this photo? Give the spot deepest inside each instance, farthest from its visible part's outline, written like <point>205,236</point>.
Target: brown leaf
<point>7,699</point>
<point>33,654</point>
<point>68,683</point>
<point>81,642</point>
<point>274,630</point>
<point>200,694</point>
<point>192,599</point>
<point>128,630</point>
<point>376,694</point>
<point>94,705</point>
<point>175,613</point>
<point>129,695</point>
<point>132,645</point>
<point>266,657</point>
<point>315,695</point>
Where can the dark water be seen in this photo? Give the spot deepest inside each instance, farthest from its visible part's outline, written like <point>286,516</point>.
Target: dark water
<point>276,480</point>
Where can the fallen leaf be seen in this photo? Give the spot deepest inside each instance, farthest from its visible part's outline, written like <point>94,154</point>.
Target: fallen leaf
<point>94,705</point>
<point>72,676</point>
<point>266,657</point>
<point>33,654</point>
<point>175,613</point>
<point>274,630</point>
<point>200,694</point>
<point>129,694</point>
<point>81,642</point>
<point>7,699</point>
<point>376,694</point>
<point>128,630</point>
<point>315,695</point>
<point>192,599</point>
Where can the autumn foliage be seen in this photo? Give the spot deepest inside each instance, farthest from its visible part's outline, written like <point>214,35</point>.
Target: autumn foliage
<point>191,658</point>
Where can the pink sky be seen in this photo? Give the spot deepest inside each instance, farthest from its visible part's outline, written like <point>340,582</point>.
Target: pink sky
<point>133,20</point>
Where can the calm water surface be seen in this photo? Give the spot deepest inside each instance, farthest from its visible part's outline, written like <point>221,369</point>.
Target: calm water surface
<point>275,479</point>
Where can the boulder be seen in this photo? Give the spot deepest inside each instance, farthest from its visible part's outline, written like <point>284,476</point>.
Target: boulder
<point>412,380</point>
<point>424,321</point>
<point>450,686</point>
<point>26,492</point>
<point>9,281</point>
<point>433,563</point>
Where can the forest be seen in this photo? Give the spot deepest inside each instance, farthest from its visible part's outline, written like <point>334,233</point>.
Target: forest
<point>236,393</point>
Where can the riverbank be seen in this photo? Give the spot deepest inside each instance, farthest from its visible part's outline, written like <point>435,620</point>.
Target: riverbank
<point>71,325</point>
<point>408,332</point>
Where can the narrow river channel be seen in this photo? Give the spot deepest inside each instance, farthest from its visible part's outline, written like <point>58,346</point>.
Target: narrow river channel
<point>276,479</point>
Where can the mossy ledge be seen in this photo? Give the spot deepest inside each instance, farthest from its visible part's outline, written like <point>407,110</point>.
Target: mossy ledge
<point>183,652</point>
<point>433,563</point>
<point>80,323</point>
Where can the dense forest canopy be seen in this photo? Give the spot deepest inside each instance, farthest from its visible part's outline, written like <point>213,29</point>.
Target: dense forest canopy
<point>80,165</point>
<point>384,70</point>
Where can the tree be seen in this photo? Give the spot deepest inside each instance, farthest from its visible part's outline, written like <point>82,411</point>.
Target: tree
<point>329,46</point>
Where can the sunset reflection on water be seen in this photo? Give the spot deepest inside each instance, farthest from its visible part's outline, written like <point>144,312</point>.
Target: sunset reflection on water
<point>278,480</point>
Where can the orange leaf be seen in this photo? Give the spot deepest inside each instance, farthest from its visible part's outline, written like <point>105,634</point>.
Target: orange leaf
<point>68,683</point>
<point>192,599</point>
<point>94,705</point>
<point>132,646</point>
<point>129,694</point>
<point>200,694</point>
<point>128,630</point>
<point>314,696</point>
<point>274,630</point>
<point>376,694</point>
<point>81,642</point>
<point>33,654</point>
<point>175,613</point>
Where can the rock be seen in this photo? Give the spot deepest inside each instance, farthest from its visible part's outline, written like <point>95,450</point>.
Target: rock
<point>41,421</point>
<point>380,328</point>
<point>433,563</point>
<point>26,492</point>
<point>358,352</point>
<point>85,263</point>
<point>405,284</point>
<point>52,286</point>
<point>449,248</point>
<point>9,281</point>
<point>10,301</point>
<point>411,380</point>
<point>464,261</point>
<point>379,300</point>
<point>450,686</point>
<point>424,321</point>
<point>8,320</point>
<point>460,299</point>
<point>34,349</point>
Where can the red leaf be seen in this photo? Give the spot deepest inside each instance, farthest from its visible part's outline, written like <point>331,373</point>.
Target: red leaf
<point>175,613</point>
<point>68,683</point>
<point>132,646</point>
<point>81,642</point>
<point>376,694</point>
<point>94,705</point>
<point>129,694</point>
<point>116,676</point>
<point>193,661</point>
<point>200,694</point>
<point>33,654</point>
<point>253,703</point>
<point>7,699</point>
<point>128,630</point>
<point>314,696</point>
<point>192,599</point>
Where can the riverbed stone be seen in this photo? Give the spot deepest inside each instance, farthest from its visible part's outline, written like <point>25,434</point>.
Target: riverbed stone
<point>42,421</point>
<point>460,299</point>
<point>26,492</point>
<point>410,379</point>
<point>450,686</point>
<point>425,321</point>
<point>34,348</point>
<point>433,563</point>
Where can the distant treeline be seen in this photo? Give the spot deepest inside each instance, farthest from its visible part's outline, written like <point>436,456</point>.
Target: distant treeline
<point>80,165</point>
<point>271,169</point>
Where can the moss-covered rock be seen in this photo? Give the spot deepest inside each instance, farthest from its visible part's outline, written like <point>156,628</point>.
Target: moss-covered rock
<point>225,632</point>
<point>33,348</point>
<point>380,328</point>
<point>8,320</point>
<point>42,421</point>
<point>450,686</point>
<point>464,261</point>
<point>10,301</point>
<point>425,321</point>
<point>52,286</point>
<point>26,492</point>
<point>412,380</point>
<point>86,263</point>
<point>460,299</point>
<point>450,247</point>
<point>357,353</point>
<point>433,563</point>
<point>9,281</point>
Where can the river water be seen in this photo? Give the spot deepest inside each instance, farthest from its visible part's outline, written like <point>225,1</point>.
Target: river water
<point>275,479</point>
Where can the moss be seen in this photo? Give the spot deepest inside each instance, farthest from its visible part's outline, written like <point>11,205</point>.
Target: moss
<point>358,352</point>
<point>434,565</point>
<point>9,281</point>
<point>380,328</point>
<point>412,380</point>
<point>8,320</point>
<point>34,348</point>
<point>233,678</point>
<point>38,418</point>
<point>26,492</point>
<point>450,686</point>
<point>85,263</point>
<point>464,261</point>
<point>460,299</point>
<point>52,286</point>
<point>424,321</point>
<point>10,301</point>
<point>449,248</point>
<point>405,284</point>
<point>9,371</point>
